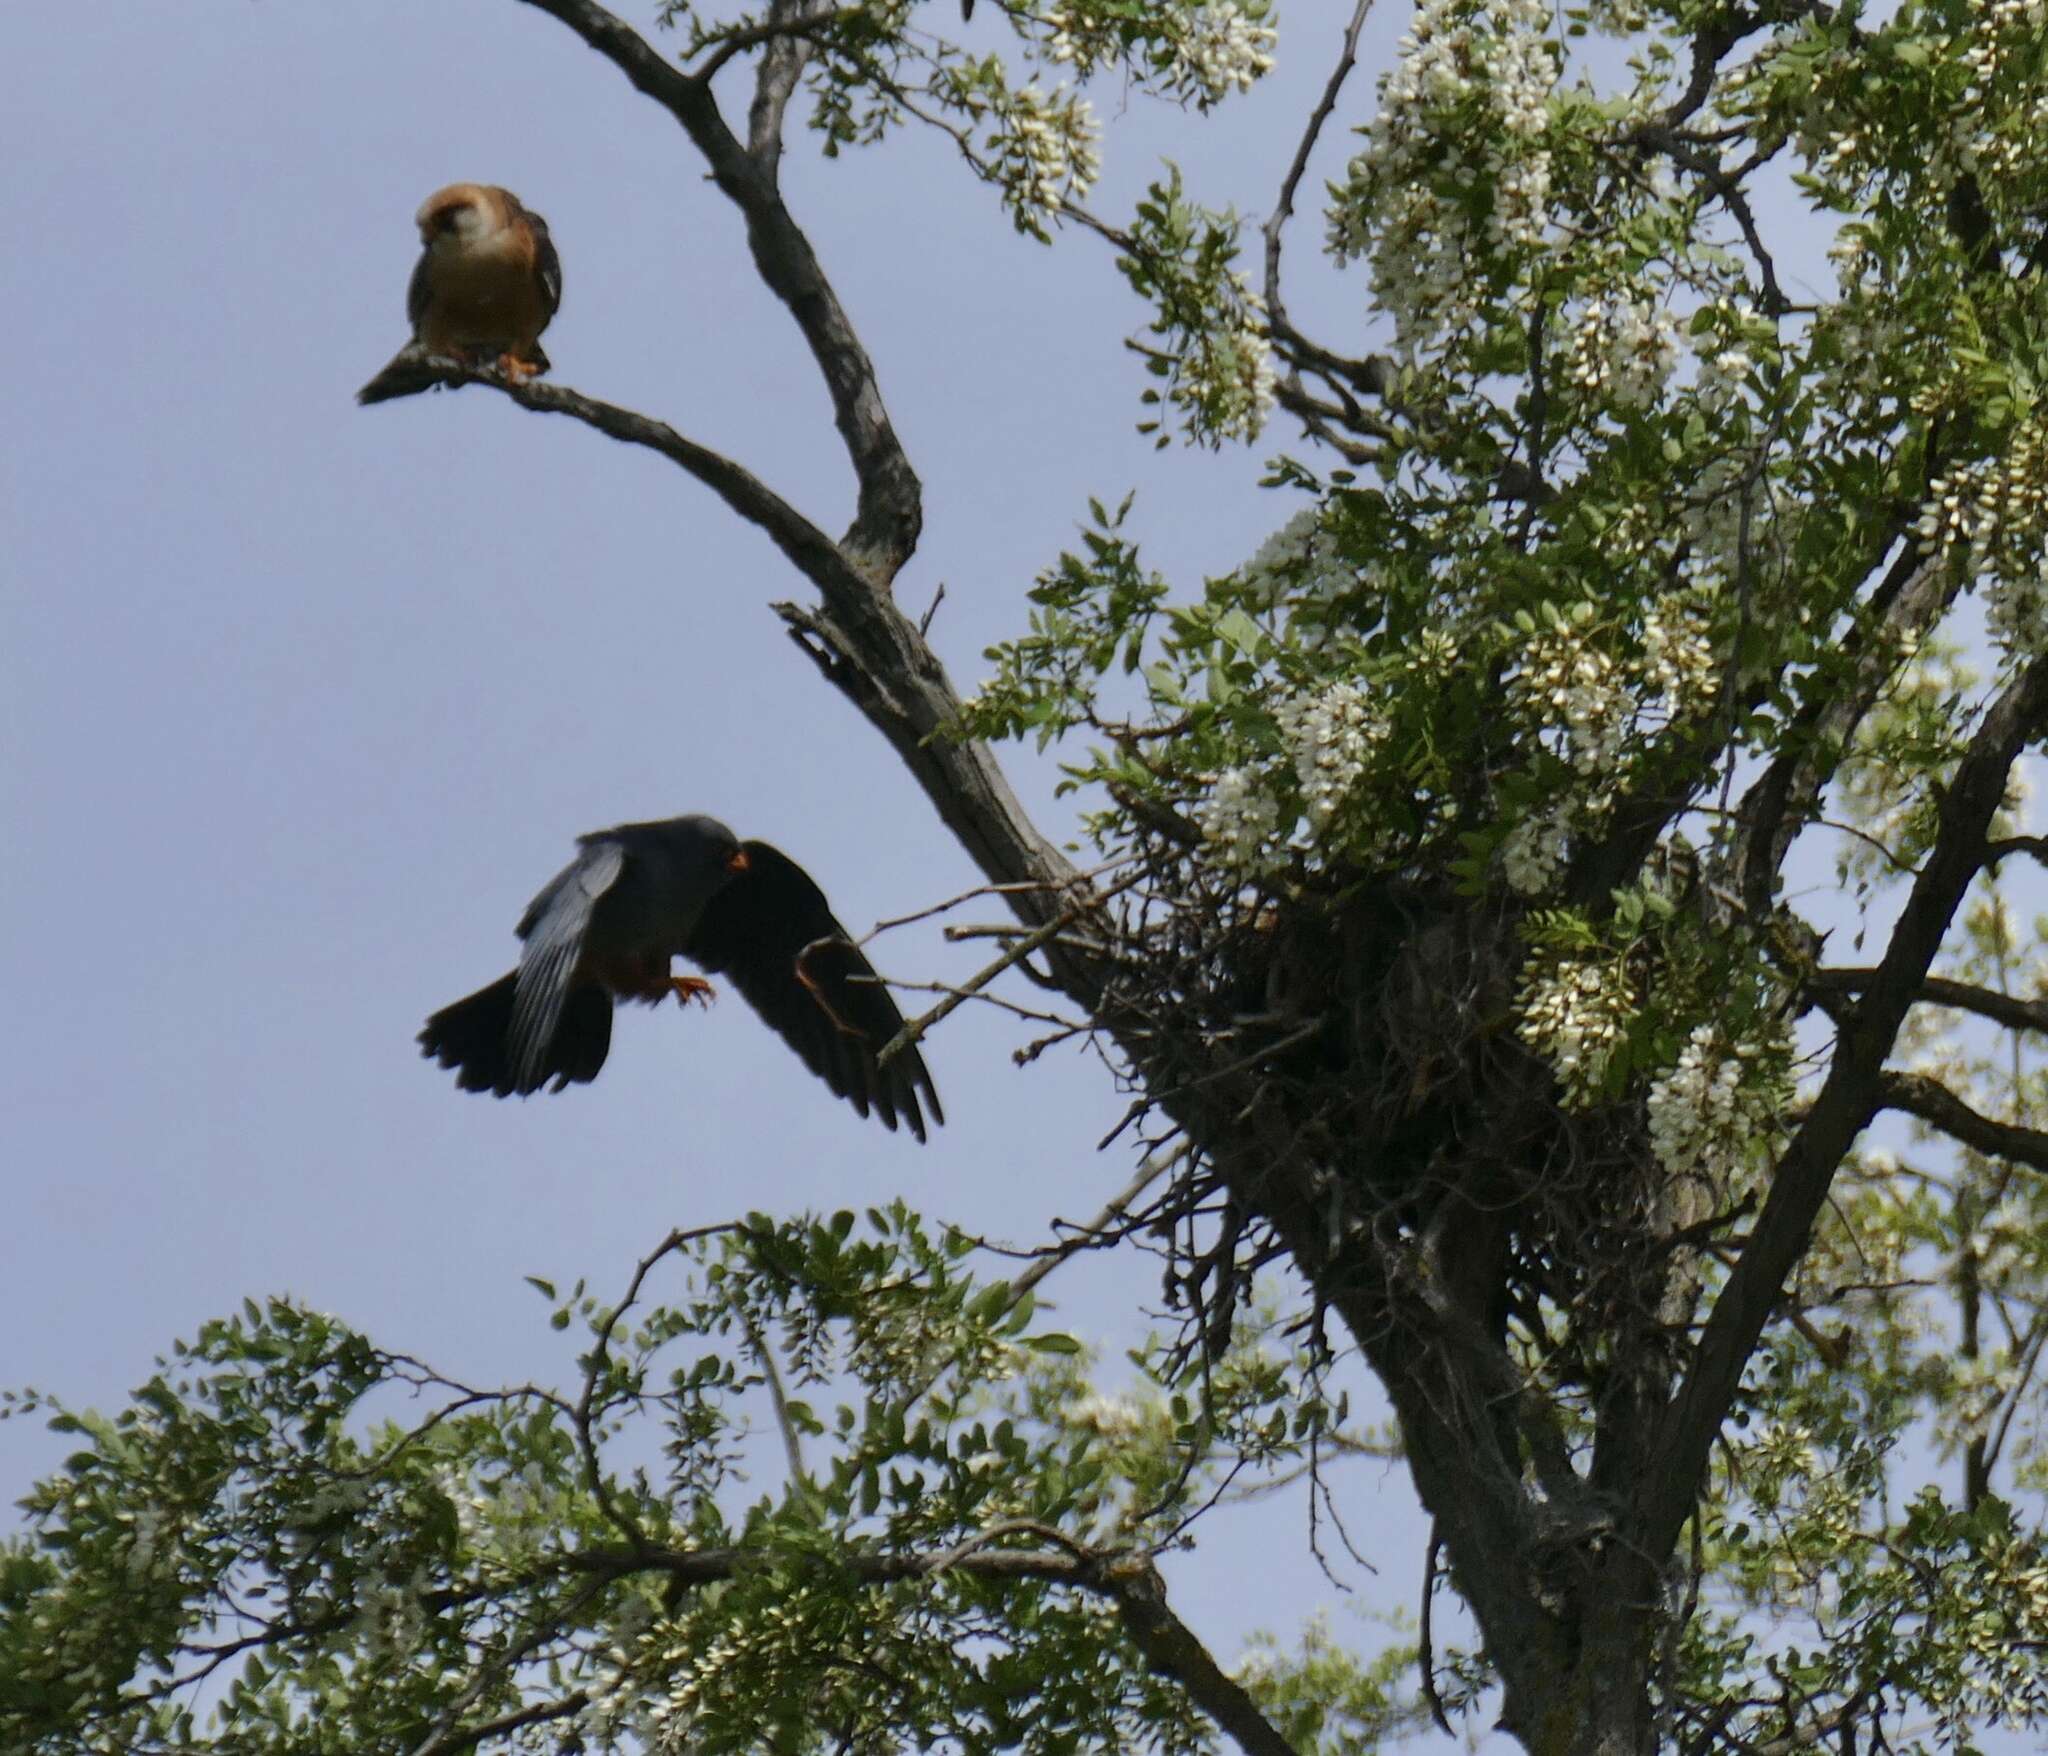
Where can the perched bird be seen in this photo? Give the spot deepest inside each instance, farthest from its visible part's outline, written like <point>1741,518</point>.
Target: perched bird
<point>604,930</point>
<point>487,283</point>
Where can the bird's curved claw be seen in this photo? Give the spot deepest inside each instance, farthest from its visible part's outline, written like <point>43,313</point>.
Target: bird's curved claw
<point>690,988</point>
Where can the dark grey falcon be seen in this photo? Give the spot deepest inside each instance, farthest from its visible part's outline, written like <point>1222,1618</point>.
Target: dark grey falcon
<point>608,923</point>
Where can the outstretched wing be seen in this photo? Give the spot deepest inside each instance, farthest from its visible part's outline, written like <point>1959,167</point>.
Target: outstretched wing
<point>554,927</point>
<point>772,931</point>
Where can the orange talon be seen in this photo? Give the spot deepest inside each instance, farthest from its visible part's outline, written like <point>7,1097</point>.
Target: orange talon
<point>516,370</point>
<point>690,988</point>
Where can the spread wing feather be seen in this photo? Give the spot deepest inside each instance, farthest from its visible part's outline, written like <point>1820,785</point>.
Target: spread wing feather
<point>773,933</point>
<point>554,927</point>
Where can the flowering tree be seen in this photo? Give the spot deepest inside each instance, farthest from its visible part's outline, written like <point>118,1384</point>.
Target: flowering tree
<point>1518,888</point>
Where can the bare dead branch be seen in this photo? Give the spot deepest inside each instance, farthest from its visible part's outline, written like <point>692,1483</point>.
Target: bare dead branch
<point>1376,374</point>
<point>1020,949</point>
<point>809,549</point>
<point>890,513</point>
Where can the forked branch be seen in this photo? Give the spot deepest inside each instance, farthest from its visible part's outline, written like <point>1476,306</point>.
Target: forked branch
<point>1853,1092</point>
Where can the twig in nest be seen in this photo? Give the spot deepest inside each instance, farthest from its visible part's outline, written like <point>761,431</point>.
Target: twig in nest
<point>915,1029</point>
<point>1068,1026</point>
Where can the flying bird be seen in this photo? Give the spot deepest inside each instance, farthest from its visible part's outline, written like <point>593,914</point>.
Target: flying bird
<point>487,283</point>
<point>608,923</point>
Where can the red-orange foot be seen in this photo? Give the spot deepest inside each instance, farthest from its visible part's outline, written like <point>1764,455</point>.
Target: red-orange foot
<point>516,370</point>
<point>690,988</point>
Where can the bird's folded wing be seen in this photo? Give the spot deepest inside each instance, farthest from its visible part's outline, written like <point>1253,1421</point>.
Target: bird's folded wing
<point>547,261</point>
<point>773,933</point>
<point>553,928</point>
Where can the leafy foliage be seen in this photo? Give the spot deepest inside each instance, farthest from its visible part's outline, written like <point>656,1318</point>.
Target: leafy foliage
<point>251,1556</point>
<point>1675,531</point>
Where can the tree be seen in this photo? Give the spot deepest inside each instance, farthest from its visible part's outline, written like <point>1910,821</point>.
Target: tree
<point>1447,916</point>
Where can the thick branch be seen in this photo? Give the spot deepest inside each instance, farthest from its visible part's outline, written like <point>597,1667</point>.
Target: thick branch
<point>1929,1101</point>
<point>810,550</point>
<point>2003,1009</point>
<point>1852,1093</point>
<point>891,506</point>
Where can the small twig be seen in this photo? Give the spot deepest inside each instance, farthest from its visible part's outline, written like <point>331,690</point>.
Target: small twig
<point>597,1366</point>
<point>1089,1235</point>
<point>1026,888</point>
<point>1369,375</point>
<point>540,1713</point>
<point>998,1001</point>
<point>792,1441</point>
<point>914,1030</point>
<point>752,36</point>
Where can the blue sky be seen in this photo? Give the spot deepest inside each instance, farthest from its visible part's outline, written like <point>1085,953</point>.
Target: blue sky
<point>300,702</point>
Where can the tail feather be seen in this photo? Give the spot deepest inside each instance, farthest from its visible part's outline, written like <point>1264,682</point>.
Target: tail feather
<point>472,1036</point>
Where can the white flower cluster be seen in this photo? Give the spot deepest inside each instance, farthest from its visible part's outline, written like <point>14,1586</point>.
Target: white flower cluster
<point>1618,17</point>
<point>1725,370</point>
<point>2004,41</point>
<point>1080,41</point>
<point>1727,507</point>
<point>1299,568</point>
<point>1045,151</point>
<point>1238,819</point>
<point>1404,200</point>
<point>1623,349</point>
<point>1113,1417</point>
<point>1994,515</point>
<point>1711,1111</point>
<point>1215,48</point>
<point>1330,734</point>
<point>145,1533</point>
<point>1533,852</point>
<point>1299,564</point>
<point>1569,685</point>
<point>1218,50</point>
<point>389,1618</point>
<point>1226,382</point>
<point>1298,559</point>
<point>1678,642</point>
<point>1574,1012</point>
